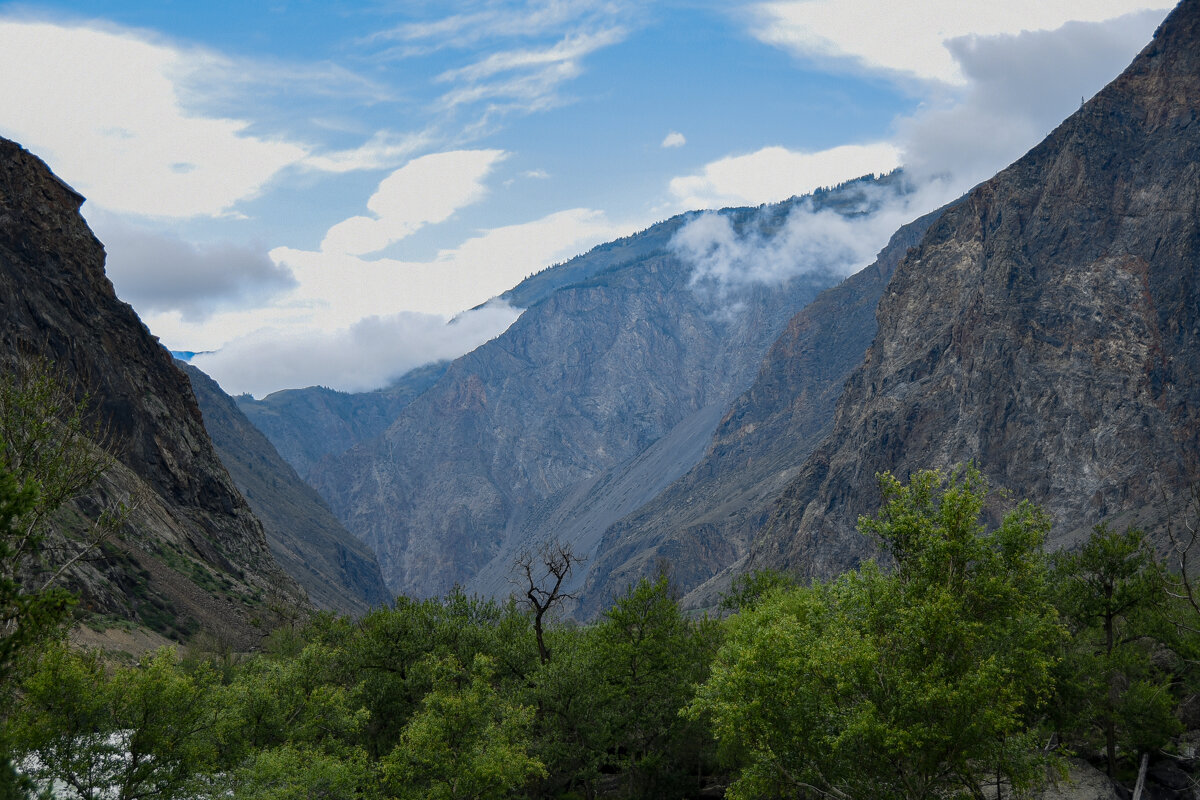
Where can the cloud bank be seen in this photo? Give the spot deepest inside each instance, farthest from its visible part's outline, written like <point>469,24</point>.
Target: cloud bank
<point>1019,88</point>
<point>725,257</point>
<point>159,272</point>
<point>910,42</point>
<point>367,355</point>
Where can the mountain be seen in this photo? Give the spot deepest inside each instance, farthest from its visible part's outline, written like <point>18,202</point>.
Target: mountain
<point>338,572</point>
<point>192,556</point>
<point>604,391</point>
<point>705,521</point>
<point>305,425</point>
<point>1048,328</point>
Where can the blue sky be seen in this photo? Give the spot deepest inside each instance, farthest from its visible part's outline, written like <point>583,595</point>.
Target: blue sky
<point>312,189</point>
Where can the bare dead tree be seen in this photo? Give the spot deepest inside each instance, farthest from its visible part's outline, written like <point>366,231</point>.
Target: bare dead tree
<point>541,574</point>
<point>1183,533</point>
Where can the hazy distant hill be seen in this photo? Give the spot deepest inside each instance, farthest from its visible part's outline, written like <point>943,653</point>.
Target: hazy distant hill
<point>339,572</point>
<point>305,425</point>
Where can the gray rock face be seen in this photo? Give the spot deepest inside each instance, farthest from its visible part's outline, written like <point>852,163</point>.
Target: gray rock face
<point>339,572</point>
<point>1048,327</point>
<point>192,525</point>
<point>548,430</point>
<point>306,425</point>
<point>704,522</point>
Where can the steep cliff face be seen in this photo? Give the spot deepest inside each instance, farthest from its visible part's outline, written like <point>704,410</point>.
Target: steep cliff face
<point>704,522</point>
<point>192,524</point>
<point>338,572</point>
<point>556,421</point>
<point>1048,328</point>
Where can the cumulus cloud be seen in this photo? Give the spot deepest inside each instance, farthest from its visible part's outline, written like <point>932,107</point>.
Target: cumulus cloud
<point>773,174</point>
<point>1019,87</point>
<point>104,106</point>
<point>340,287</point>
<point>726,257</point>
<point>158,272</point>
<point>426,190</point>
<point>369,354</point>
<point>900,39</point>
<point>674,139</point>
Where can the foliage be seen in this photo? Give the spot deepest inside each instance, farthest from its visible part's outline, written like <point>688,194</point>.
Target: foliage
<point>908,684</point>
<point>49,454</point>
<point>127,732</point>
<point>467,741</point>
<point>1113,594</point>
<point>749,589</point>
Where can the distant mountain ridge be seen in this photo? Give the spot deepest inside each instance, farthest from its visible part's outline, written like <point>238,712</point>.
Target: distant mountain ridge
<point>613,354</point>
<point>705,520</point>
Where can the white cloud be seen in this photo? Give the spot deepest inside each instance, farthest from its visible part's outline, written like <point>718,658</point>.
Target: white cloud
<point>528,78</point>
<point>427,190</point>
<point>337,288</point>
<point>366,355</point>
<point>1019,87</point>
<point>524,21</point>
<point>384,149</point>
<point>674,139</point>
<point>812,239</point>
<point>910,40</point>
<point>103,109</point>
<point>776,173</point>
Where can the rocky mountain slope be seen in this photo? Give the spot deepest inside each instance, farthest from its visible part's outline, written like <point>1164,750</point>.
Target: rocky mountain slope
<point>192,555</point>
<point>339,572</point>
<point>1048,327</point>
<point>615,353</point>
<point>705,521</point>
<point>305,425</point>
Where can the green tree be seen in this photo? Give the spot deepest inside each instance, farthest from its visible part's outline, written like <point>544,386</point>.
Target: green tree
<point>467,741</point>
<point>129,733</point>
<point>651,658</point>
<point>918,682</point>
<point>49,455</point>
<point>1113,594</point>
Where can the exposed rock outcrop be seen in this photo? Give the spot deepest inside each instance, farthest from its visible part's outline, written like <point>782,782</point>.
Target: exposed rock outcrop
<point>192,526</point>
<point>1048,327</point>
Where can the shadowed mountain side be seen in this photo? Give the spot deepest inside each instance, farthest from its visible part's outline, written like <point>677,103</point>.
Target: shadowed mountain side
<point>704,521</point>
<point>1048,327</point>
<point>339,572</point>
<point>193,553</point>
<point>305,425</point>
<point>526,429</point>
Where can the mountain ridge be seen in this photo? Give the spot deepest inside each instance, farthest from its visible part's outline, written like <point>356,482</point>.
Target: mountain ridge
<point>1046,328</point>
